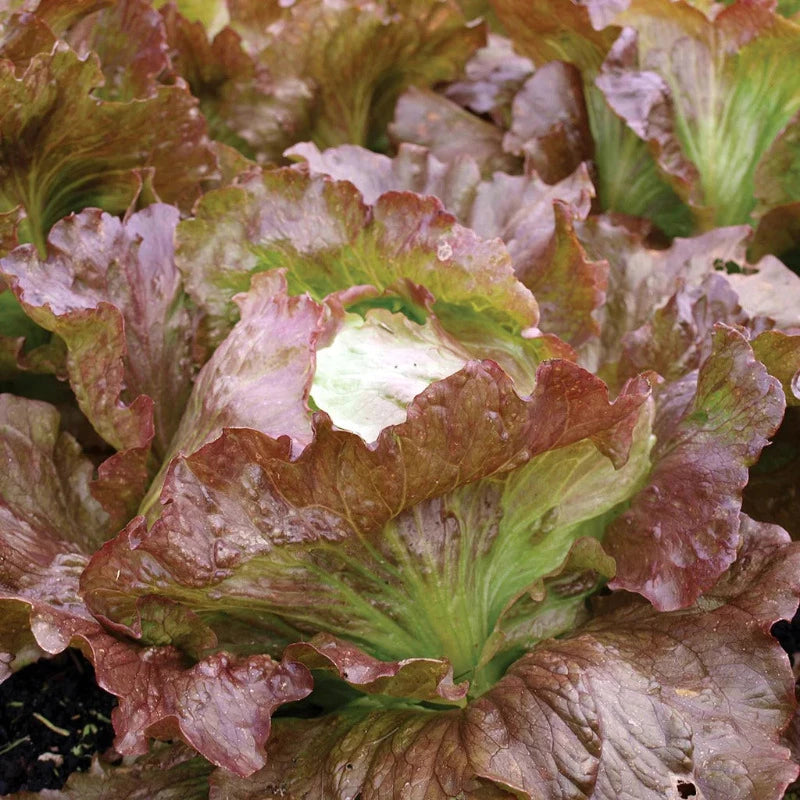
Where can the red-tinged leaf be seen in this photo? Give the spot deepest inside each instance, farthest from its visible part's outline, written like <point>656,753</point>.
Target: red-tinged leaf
<point>491,79</point>
<point>245,525</point>
<point>517,208</point>
<point>258,378</point>
<point>413,169</point>
<point>682,531</point>
<point>49,524</point>
<point>377,53</point>
<point>568,286</point>
<point>111,291</point>
<point>643,100</point>
<point>418,678</point>
<point>678,337</point>
<point>221,705</point>
<point>642,278</point>
<point>54,161</point>
<point>550,124</point>
<point>400,244</point>
<point>636,703</point>
<point>425,118</point>
<point>128,37</point>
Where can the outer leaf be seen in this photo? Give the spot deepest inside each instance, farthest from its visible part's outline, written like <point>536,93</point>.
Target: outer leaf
<point>111,291</point>
<point>221,706</point>
<point>171,772</point>
<point>46,487</point>
<point>549,124</point>
<point>635,704</point>
<point>681,532</point>
<point>258,378</point>
<point>356,58</point>
<point>744,56</point>
<point>130,41</point>
<point>49,524</point>
<point>425,118</point>
<point>53,161</point>
<point>491,79</point>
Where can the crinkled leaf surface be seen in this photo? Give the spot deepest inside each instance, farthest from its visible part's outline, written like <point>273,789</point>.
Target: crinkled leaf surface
<point>642,278</point>
<point>259,377</point>
<point>49,525</point>
<point>371,543</point>
<point>111,291</point>
<point>401,243</point>
<point>677,339</point>
<point>635,704</point>
<point>63,150</point>
<point>545,253</point>
<point>681,532</point>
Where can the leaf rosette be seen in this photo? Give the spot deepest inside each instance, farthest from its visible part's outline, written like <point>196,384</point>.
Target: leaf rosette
<point>368,465</point>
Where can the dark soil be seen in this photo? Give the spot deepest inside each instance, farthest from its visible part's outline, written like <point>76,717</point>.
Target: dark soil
<point>53,718</point>
<point>788,634</point>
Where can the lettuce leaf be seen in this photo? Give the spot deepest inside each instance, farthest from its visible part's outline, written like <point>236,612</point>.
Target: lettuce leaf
<point>64,150</point>
<point>50,526</point>
<point>635,702</point>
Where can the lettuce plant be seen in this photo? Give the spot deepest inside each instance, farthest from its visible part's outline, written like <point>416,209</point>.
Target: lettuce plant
<point>385,475</point>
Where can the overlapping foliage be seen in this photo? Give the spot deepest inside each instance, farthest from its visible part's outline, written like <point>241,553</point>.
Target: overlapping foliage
<point>387,402</point>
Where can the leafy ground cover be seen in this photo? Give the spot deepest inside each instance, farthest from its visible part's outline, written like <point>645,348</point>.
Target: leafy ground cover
<point>400,400</point>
